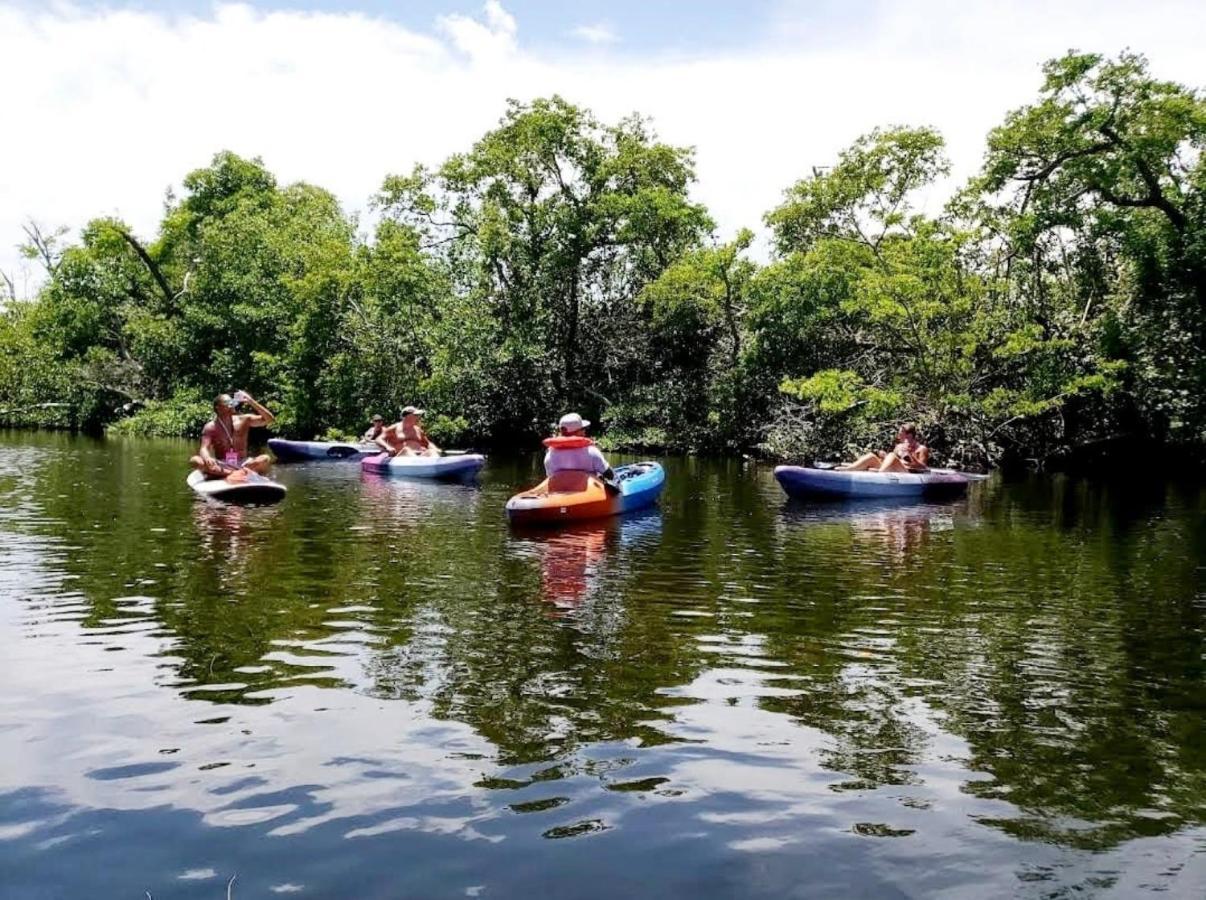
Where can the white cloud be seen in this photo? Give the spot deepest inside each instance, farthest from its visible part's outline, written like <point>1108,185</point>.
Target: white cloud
<point>598,33</point>
<point>104,109</point>
<point>491,40</point>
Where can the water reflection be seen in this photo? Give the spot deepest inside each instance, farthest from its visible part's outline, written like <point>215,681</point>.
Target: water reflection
<point>895,530</point>
<point>571,558</point>
<point>996,696</point>
<point>406,501</point>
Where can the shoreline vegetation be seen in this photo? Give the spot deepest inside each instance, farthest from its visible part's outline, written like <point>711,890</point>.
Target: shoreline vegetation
<point>1053,310</point>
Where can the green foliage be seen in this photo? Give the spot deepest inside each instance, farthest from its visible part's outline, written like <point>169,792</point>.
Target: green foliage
<point>185,413</point>
<point>549,228</point>
<point>1094,199</point>
<point>839,391</point>
<point>559,262</point>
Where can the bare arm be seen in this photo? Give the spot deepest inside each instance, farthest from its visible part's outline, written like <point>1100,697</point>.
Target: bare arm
<point>428,442</point>
<point>262,417</point>
<point>384,444</point>
<point>207,448</point>
<point>602,466</point>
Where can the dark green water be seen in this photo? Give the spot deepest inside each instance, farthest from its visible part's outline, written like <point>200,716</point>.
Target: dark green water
<point>376,689</point>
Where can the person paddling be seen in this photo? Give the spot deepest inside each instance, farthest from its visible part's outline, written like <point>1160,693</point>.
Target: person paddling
<point>407,438</point>
<point>376,426</point>
<point>224,439</point>
<point>909,455</point>
<point>572,450</point>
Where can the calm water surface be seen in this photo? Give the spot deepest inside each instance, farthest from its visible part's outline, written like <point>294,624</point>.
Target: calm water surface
<point>376,689</point>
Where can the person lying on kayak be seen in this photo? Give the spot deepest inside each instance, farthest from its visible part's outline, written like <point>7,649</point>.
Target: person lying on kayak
<point>376,426</point>
<point>407,438</point>
<point>572,450</point>
<point>909,455</point>
<point>224,439</point>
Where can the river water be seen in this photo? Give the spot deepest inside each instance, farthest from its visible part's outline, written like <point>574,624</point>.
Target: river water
<point>377,689</point>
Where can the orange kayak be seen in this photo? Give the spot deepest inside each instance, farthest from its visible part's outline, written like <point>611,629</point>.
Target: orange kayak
<point>574,496</point>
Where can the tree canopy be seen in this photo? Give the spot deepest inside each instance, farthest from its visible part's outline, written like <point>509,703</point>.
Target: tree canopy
<point>1055,304</point>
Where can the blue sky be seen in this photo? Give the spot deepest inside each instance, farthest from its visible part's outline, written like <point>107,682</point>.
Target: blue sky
<point>639,27</point>
<point>115,102</point>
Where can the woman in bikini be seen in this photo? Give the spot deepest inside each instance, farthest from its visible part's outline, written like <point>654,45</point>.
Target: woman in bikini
<point>909,455</point>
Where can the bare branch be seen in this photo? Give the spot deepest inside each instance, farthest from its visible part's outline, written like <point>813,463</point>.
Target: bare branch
<point>42,245</point>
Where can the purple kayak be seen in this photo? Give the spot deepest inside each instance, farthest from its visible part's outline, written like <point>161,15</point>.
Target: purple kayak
<point>799,481</point>
<point>454,467</point>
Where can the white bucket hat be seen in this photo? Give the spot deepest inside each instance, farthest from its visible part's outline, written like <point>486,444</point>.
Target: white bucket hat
<point>573,422</point>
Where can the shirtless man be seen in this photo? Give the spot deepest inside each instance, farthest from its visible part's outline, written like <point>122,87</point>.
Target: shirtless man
<point>224,439</point>
<point>407,438</point>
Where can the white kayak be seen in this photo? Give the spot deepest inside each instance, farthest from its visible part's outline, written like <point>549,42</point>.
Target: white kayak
<point>799,481</point>
<point>454,467</point>
<point>257,489</point>
<point>300,451</point>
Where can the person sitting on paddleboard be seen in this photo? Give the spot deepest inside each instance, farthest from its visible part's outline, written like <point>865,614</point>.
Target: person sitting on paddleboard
<point>909,455</point>
<point>573,450</point>
<point>224,439</point>
<point>407,438</point>
<point>376,426</point>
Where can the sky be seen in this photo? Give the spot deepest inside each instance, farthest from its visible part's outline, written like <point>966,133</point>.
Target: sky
<point>106,105</point>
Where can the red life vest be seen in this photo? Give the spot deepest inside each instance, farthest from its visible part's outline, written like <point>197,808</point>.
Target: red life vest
<point>568,442</point>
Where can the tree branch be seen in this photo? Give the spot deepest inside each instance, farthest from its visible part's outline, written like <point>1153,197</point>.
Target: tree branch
<point>168,295</point>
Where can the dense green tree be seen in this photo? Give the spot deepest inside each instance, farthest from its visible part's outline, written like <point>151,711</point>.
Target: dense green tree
<point>1095,194</point>
<point>1057,303</point>
<point>911,329</point>
<point>552,223</point>
<point>696,342</point>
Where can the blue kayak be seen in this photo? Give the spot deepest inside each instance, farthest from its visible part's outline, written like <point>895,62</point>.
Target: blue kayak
<point>799,481</point>
<point>301,451</point>
<point>572,496</point>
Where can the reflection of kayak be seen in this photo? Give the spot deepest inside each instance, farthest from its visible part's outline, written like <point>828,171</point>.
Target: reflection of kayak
<point>460,467</point>
<point>570,496</point>
<point>799,481</point>
<point>253,489</point>
<point>298,451</point>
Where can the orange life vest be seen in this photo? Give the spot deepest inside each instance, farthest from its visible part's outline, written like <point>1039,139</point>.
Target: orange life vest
<point>568,442</point>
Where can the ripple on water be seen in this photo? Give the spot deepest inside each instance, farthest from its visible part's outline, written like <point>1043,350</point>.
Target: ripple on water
<point>734,696</point>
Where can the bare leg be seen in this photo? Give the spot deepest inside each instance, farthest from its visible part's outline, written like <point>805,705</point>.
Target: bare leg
<point>210,470</point>
<point>260,465</point>
<point>864,463</point>
<point>892,463</point>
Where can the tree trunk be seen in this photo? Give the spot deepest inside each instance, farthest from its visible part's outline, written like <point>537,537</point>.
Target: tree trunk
<point>571,335</point>
<point>731,319</point>
<point>152,267</point>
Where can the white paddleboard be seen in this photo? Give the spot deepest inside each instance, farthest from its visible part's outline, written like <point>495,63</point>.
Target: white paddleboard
<point>256,489</point>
